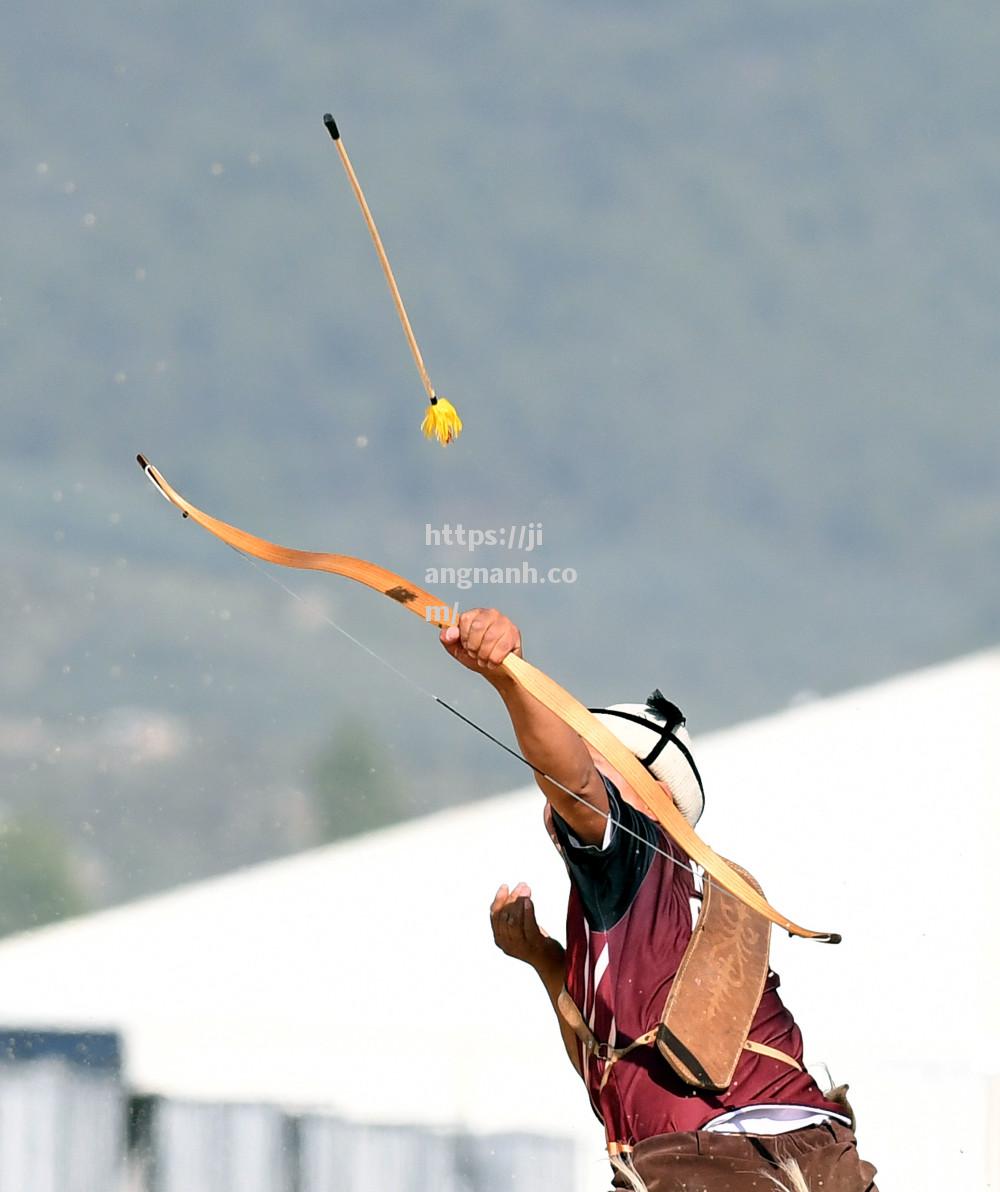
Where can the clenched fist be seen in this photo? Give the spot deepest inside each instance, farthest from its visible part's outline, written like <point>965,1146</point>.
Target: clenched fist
<point>481,639</point>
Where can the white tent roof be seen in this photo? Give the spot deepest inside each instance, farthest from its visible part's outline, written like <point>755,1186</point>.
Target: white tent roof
<point>362,976</point>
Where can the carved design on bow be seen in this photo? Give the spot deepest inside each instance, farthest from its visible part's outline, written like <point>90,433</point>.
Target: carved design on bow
<point>437,612</point>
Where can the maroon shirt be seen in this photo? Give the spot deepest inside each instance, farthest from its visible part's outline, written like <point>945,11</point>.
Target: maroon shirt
<point>629,920</point>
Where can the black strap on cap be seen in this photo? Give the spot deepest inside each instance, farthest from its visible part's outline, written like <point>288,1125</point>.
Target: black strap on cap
<point>659,705</point>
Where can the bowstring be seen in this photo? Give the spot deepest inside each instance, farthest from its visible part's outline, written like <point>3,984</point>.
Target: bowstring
<point>418,687</point>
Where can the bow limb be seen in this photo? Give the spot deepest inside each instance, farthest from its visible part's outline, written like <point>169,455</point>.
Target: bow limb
<point>583,722</point>
<point>437,612</point>
<point>426,606</point>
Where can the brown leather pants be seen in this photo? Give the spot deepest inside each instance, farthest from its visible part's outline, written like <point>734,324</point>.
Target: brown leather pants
<point>700,1162</point>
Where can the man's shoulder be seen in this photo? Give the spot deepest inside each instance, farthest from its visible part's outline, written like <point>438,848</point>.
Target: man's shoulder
<point>608,876</point>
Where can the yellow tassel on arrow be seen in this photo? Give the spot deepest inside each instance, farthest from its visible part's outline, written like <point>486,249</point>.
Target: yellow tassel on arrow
<point>441,421</point>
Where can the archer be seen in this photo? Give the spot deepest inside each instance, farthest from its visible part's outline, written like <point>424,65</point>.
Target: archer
<point>666,1002</point>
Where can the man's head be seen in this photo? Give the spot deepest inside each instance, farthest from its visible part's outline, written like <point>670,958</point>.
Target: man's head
<point>655,733</point>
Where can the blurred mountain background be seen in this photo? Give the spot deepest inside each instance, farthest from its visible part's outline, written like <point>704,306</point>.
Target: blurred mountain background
<point>714,286</point>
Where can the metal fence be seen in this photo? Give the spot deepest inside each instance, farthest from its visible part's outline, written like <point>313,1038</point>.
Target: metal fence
<point>67,1124</point>
<point>193,1147</point>
<point>190,1146</point>
<point>62,1114</point>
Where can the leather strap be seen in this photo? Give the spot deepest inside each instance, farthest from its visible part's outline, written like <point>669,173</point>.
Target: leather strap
<point>603,1051</point>
<point>772,1053</point>
<point>571,1015</point>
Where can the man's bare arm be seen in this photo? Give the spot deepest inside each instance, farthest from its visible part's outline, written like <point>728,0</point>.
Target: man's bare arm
<point>517,934</point>
<point>481,640</point>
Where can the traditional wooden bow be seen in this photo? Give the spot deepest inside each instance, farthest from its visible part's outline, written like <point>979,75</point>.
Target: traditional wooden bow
<point>438,613</point>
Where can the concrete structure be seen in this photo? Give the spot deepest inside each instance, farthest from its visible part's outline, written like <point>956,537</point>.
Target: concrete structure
<point>362,978</point>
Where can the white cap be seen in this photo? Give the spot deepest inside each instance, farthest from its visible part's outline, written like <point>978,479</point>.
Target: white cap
<point>655,733</point>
